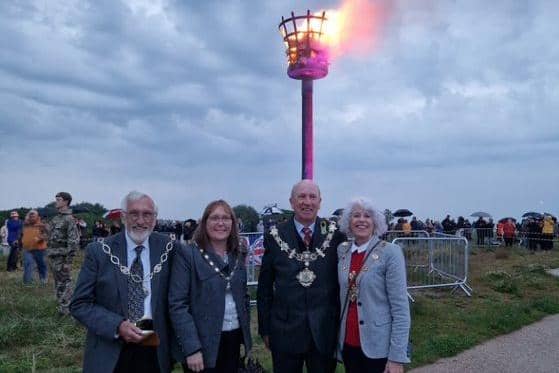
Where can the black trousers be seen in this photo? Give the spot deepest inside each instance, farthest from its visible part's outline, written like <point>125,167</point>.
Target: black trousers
<point>313,360</point>
<point>355,361</point>
<point>13,257</point>
<point>137,359</point>
<point>228,355</point>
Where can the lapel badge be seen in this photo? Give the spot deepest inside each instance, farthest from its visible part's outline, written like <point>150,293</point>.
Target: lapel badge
<point>323,227</point>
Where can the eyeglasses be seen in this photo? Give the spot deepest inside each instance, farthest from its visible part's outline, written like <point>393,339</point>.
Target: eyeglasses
<point>135,215</point>
<point>216,219</point>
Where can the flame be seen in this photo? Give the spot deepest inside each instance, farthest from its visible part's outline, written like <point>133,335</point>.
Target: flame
<point>353,28</point>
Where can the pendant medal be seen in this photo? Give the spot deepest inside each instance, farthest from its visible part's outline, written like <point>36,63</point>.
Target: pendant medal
<point>306,277</point>
<point>353,293</point>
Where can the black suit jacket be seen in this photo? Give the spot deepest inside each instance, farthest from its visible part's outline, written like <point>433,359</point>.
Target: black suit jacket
<point>291,315</point>
<point>100,302</point>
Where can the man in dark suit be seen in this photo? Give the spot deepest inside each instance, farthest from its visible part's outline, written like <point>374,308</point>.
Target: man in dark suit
<point>110,298</point>
<point>298,305</point>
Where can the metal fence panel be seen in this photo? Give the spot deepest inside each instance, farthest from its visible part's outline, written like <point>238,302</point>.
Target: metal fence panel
<point>436,262</point>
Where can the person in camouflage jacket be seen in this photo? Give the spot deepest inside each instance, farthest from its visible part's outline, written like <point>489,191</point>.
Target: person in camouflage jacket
<point>63,242</point>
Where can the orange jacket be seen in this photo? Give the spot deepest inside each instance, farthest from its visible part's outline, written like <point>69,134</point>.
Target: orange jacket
<point>34,237</point>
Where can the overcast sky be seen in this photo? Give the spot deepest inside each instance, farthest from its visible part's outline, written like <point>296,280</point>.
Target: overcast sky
<point>453,110</point>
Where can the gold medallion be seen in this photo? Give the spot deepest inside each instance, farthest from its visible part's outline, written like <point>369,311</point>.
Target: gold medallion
<point>306,277</point>
<point>353,293</point>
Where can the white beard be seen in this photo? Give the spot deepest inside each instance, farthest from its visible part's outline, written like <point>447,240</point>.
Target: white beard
<point>139,237</point>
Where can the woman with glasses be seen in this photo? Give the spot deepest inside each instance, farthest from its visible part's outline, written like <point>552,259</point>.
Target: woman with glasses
<point>375,318</point>
<point>208,300</point>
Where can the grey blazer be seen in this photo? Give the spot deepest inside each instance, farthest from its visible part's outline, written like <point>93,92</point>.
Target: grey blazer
<point>383,308</point>
<point>100,302</point>
<point>197,303</point>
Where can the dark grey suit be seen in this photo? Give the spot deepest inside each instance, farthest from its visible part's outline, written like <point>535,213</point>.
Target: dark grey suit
<point>197,303</point>
<point>295,317</point>
<point>101,298</point>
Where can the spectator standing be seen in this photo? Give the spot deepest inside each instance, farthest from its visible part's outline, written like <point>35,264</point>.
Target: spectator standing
<point>429,227</point>
<point>82,229</point>
<point>509,232</point>
<point>63,242</point>
<point>534,230</point>
<point>178,230</point>
<point>115,228</point>
<point>480,225</point>
<point>98,231</point>
<point>4,238</point>
<point>34,242</point>
<point>189,228</point>
<point>547,233</point>
<point>14,227</point>
<point>406,227</point>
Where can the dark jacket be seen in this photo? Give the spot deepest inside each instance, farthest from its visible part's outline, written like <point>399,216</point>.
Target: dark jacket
<point>292,315</point>
<point>197,302</point>
<point>100,302</point>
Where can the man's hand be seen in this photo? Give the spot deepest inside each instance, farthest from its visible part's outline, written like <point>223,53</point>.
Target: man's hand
<point>266,339</point>
<point>393,367</point>
<point>195,362</point>
<point>130,332</point>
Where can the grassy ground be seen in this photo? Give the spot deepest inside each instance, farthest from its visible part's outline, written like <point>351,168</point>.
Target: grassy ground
<point>508,293</point>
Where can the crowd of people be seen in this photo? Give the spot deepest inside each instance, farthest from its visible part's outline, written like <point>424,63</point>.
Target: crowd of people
<point>532,232</point>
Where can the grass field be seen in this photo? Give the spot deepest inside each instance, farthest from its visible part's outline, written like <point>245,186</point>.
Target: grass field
<point>508,294</point>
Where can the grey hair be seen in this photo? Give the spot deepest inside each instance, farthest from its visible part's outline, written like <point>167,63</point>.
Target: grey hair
<point>135,196</point>
<point>379,220</point>
<point>303,182</point>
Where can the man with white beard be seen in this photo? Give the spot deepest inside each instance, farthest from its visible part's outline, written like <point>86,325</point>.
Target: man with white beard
<point>121,295</point>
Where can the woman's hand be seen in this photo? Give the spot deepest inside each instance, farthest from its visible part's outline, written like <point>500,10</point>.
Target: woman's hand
<point>195,362</point>
<point>392,367</point>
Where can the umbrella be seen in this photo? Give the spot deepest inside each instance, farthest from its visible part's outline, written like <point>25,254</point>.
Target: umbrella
<point>533,215</point>
<point>338,212</point>
<point>113,214</point>
<point>271,210</point>
<point>505,219</point>
<point>481,214</point>
<point>402,213</point>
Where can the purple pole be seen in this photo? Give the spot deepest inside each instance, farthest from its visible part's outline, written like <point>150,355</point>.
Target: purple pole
<point>307,149</point>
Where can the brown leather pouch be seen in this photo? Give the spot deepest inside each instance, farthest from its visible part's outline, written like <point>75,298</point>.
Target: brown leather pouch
<point>151,340</point>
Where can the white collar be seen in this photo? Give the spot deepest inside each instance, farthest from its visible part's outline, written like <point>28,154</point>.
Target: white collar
<point>299,227</point>
<point>361,248</point>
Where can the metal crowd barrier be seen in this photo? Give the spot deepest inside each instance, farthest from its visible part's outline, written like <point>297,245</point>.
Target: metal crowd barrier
<point>481,236</point>
<point>435,262</point>
<point>490,237</point>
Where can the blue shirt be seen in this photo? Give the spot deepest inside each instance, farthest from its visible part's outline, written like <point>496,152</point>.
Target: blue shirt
<point>131,254</point>
<point>14,230</point>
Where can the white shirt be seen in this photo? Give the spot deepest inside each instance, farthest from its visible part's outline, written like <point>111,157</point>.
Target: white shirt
<point>361,248</point>
<point>230,316</point>
<point>144,255</point>
<point>299,227</point>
